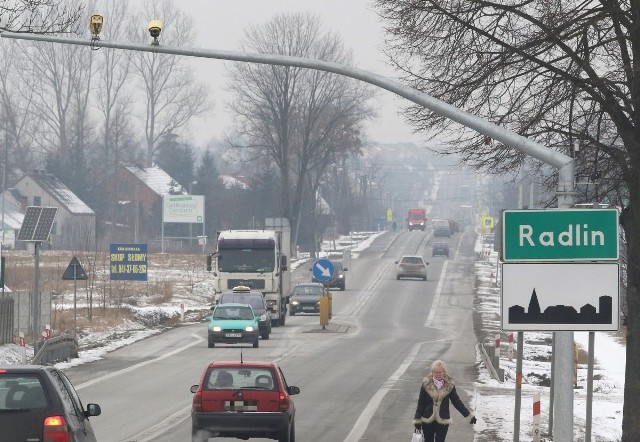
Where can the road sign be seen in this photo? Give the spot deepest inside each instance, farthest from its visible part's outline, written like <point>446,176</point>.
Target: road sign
<point>560,235</point>
<point>323,270</point>
<point>74,271</point>
<point>560,296</point>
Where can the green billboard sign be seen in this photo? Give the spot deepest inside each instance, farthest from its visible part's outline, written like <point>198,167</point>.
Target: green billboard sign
<point>560,235</point>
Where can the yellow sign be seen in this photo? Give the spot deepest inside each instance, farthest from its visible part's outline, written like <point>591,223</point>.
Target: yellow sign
<point>389,215</point>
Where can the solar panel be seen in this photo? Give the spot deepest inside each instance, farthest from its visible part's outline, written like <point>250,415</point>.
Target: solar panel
<point>37,223</point>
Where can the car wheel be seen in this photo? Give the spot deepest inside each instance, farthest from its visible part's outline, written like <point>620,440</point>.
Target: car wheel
<point>342,288</point>
<point>283,319</point>
<point>398,277</point>
<point>211,344</point>
<point>265,336</point>
<point>292,313</point>
<point>425,278</point>
<point>256,343</point>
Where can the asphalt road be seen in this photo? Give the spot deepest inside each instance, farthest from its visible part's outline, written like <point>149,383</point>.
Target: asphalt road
<point>359,378</point>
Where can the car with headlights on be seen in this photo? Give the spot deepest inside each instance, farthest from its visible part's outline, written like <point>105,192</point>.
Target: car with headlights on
<point>305,298</point>
<point>338,280</point>
<point>243,400</point>
<point>411,266</point>
<point>233,324</point>
<point>244,295</point>
<point>39,403</point>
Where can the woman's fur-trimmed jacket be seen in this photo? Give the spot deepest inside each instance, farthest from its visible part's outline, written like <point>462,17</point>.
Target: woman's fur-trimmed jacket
<point>433,404</point>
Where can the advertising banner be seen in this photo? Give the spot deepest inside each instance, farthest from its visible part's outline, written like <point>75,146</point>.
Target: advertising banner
<point>128,262</point>
<point>183,208</point>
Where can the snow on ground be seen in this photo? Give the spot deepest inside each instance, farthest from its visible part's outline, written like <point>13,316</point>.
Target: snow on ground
<point>492,401</point>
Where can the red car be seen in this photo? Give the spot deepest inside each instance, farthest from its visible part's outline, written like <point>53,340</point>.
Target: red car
<point>243,400</point>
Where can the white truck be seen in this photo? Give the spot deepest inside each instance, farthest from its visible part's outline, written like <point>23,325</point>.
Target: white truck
<point>258,259</point>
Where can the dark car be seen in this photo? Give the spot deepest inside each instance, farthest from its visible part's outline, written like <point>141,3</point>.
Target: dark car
<point>305,298</point>
<point>440,249</point>
<point>243,400</point>
<point>39,403</point>
<point>339,280</point>
<point>244,295</point>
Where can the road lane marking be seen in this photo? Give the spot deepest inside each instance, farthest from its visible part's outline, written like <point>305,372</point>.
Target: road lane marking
<point>162,427</point>
<point>436,299</point>
<point>141,364</point>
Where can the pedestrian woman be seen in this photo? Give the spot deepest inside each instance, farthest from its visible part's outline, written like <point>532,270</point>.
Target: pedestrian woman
<point>432,413</point>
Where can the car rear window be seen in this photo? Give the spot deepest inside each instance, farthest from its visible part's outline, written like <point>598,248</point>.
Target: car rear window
<point>411,260</point>
<point>21,392</point>
<point>225,378</point>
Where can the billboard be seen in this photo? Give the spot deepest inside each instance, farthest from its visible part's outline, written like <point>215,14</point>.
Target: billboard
<point>128,262</point>
<point>183,208</point>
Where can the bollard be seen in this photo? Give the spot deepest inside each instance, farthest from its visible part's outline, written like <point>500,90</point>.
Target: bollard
<point>324,311</point>
<point>182,312</point>
<point>536,417</point>
<point>23,348</point>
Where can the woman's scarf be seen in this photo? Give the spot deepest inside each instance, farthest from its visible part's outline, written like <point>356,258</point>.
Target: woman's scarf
<point>438,383</point>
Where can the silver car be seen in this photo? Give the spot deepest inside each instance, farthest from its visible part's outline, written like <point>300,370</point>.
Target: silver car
<point>411,266</point>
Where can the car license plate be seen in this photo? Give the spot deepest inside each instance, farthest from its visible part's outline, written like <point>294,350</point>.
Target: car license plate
<point>233,335</point>
<point>308,308</point>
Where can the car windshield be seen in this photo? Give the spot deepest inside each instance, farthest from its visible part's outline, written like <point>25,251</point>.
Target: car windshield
<point>233,313</point>
<point>308,290</point>
<point>411,260</point>
<point>337,266</point>
<point>246,260</point>
<point>220,378</point>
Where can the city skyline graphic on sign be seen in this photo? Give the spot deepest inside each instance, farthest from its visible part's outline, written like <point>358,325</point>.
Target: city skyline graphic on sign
<point>562,314</point>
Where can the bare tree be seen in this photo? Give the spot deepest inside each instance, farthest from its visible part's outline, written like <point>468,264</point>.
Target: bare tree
<point>173,97</point>
<point>17,103</point>
<point>298,118</point>
<point>39,16</point>
<point>562,72</point>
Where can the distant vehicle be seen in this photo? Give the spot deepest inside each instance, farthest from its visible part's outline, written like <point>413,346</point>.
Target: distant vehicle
<point>339,279</point>
<point>411,266</point>
<point>243,400</point>
<point>416,219</point>
<point>440,248</point>
<point>39,403</point>
<point>233,324</point>
<point>305,298</point>
<point>244,295</point>
<point>441,228</point>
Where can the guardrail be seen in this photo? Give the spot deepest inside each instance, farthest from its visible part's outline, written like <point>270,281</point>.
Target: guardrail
<point>56,349</point>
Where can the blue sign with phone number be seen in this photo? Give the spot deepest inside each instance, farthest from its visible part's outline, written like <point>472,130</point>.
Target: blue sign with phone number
<point>128,262</point>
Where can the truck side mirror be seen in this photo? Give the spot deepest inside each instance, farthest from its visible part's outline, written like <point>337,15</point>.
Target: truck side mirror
<point>209,261</point>
<point>283,262</point>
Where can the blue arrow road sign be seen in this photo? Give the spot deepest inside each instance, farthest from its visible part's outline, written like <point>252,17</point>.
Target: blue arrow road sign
<point>323,270</point>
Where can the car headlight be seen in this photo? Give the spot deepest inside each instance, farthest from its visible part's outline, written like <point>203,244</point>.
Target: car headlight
<point>263,317</point>
<point>271,302</point>
<point>216,328</point>
<point>249,328</point>
<point>295,302</point>
<point>340,276</point>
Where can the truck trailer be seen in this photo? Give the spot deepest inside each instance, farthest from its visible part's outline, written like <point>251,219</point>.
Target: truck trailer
<point>257,259</point>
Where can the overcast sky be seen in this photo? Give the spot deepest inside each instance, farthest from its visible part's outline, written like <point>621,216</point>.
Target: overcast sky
<point>221,25</point>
